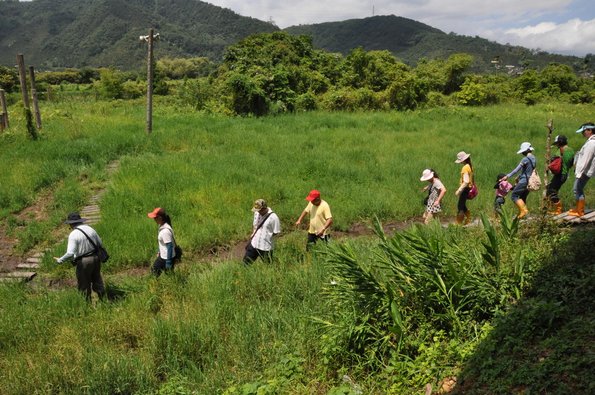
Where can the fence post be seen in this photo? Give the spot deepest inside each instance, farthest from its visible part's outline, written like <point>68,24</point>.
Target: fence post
<point>3,107</point>
<point>34,97</point>
<point>26,106</point>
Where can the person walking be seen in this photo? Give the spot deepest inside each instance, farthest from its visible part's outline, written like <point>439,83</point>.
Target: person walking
<point>320,218</point>
<point>166,242</point>
<point>465,184</point>
<point>558,179</point>
<point>83,242</point>
<point>502,188</point>
<point>265,226</point>
<point>525,167</point>
<point>435,194</point>
<point>584,168</point>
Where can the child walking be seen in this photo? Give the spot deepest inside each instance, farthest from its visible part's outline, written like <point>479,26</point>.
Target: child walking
<point>502,188</point>
<point>435,195</point>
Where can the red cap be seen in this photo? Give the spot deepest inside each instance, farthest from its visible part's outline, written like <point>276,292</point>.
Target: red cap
<point>155,213</point>
<point>314,194</point>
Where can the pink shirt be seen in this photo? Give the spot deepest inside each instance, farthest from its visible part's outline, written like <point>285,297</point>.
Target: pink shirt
<point>503,188</point>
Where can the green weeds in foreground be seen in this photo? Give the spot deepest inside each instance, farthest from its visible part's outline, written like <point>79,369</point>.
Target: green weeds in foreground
<point>378,316</point>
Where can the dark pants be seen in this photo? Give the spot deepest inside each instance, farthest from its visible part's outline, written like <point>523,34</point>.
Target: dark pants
<point>520,191</point>
<point>159,266</point>
<point>253,254</point>
<point>498,203</point>
<point>313,238</point>
<point>88,276</point>
<point>554,186</point>
<point>462,203</point>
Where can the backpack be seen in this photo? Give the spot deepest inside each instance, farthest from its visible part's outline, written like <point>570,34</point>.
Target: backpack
<point>534,181</point>
<point>555,165</point>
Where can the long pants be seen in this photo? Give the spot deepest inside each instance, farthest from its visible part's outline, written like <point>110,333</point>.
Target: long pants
<point>462,203</point>
<point>88,276</point>
<point>253,254</point>
<point>579,187</point>
<point>159,266</point>
<point>313,238</point>
<point>520,191</point>
<point>554,187</point>
<point>498,203</point>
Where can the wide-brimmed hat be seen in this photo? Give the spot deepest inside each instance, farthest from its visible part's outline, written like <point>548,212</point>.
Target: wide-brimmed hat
<point>259,204</point>
<point>526,146</point>
<point>427,175</point>
<point>586,126</point>
<point>560,140</point>
<point>313,195</point>
<point>157,212</point>
<point>75,218</point>
<point>462,156</point>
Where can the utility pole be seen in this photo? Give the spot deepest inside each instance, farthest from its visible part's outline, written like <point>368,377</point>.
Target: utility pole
<point>150,39</point>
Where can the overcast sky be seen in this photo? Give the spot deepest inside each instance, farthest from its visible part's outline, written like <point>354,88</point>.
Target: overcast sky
<point>558,26</point>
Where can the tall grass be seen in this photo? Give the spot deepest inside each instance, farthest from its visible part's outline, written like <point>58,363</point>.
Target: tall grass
<point>207,170</point>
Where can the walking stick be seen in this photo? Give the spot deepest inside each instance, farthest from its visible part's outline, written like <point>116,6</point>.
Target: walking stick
<point>548,156</point>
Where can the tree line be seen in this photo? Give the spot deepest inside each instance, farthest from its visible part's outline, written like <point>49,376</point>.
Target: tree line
<point>272,73</point>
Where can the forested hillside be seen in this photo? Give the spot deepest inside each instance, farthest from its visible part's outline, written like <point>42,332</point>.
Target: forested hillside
<point>56,34</point>
<point>78,33</point>
<point>411,41</point>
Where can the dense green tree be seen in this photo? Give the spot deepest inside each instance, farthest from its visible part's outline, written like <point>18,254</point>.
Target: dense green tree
<point>9,79</point>
<point>558,78</point>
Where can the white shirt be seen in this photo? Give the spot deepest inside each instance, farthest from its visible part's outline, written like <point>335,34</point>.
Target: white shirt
<point>584,161</point>
<point>78,244</point>
<point>165,235</point>
<point>263,238</point>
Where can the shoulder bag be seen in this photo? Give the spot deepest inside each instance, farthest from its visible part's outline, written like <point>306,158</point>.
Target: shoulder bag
<point>99,250</point>
<point>256,230</point>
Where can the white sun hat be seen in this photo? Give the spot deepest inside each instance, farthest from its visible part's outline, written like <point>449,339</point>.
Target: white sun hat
<point>526,146</point>
<point>462,156</point>
<point>426,175</point>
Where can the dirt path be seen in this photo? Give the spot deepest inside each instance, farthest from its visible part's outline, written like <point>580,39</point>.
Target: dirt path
<point>15,265</point>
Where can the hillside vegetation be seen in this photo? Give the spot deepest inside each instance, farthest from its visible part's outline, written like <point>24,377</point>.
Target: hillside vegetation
<point>78,33</point>
<point>411,41</point>
<point>56,34</point>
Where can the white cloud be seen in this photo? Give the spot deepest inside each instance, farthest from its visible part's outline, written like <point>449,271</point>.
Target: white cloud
<point>574,37</point>
<point>519,22</point>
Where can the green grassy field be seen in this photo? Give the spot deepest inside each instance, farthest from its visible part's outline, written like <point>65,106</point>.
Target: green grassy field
<point>207,171</point>
<point>222,328</point>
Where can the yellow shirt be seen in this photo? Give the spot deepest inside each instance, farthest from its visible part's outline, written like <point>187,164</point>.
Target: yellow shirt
<point>466,170</point>
<point>318,216</point>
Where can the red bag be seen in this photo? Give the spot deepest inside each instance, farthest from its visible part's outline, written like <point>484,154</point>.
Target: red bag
<point>555,165</point>
<point>472,192</point>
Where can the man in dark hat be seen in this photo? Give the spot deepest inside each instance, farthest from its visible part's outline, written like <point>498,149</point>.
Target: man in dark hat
<point>81,249</point>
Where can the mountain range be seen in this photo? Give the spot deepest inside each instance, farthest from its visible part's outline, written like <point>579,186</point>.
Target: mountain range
<point>55,34</point>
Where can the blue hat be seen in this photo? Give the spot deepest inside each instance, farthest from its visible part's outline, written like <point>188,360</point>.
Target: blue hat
<point>586,126</point>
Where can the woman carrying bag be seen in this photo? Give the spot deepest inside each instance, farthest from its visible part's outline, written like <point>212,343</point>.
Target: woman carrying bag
<point>166,254</point>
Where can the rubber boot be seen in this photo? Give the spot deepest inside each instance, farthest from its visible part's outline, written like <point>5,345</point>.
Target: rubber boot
<point>579,211</point>
<point>460,217</point>
<point>555,208</point>
<point>522,208</point>
<point>467,217</point>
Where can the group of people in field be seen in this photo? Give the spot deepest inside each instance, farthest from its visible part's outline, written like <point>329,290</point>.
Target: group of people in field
<point>526,180</point>
<point>84,243</point>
